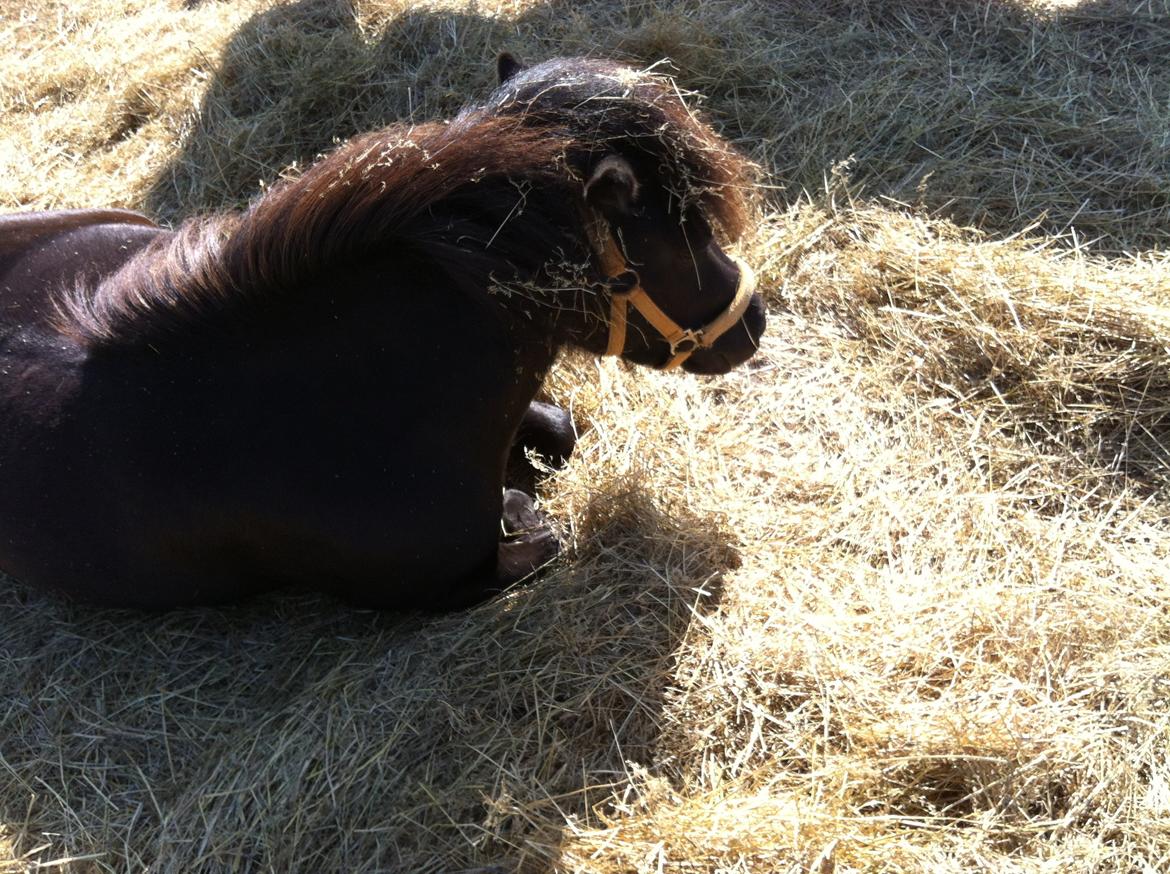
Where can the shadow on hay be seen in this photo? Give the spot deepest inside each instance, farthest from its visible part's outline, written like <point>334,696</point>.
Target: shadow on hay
<point>297,79</point>
<point>295,734</point>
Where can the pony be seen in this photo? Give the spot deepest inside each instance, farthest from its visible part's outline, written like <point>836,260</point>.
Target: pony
<point>323,389</point>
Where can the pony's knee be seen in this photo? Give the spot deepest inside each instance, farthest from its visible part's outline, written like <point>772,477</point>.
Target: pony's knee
<point>548,430</point>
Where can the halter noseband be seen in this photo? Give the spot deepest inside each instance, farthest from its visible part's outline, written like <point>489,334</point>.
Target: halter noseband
<point>683,341</point>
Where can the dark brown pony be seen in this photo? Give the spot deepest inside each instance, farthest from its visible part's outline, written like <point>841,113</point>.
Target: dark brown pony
<point>324,388</point>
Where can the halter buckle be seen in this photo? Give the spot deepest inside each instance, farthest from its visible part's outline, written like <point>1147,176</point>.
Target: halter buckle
<point>690,340</point>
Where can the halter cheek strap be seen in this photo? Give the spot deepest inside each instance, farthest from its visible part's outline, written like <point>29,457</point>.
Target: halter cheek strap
<point>683,341</point>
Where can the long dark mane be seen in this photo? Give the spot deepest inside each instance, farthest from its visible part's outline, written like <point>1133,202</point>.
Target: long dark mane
<point>494,192</point>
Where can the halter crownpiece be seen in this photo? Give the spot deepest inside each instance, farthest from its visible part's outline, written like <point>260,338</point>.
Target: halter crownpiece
<point>683,341</point>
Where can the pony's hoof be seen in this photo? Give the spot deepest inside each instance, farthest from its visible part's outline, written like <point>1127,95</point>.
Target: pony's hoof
<point>519,559</point>
<point>519,514</point>
<point>528,542</point>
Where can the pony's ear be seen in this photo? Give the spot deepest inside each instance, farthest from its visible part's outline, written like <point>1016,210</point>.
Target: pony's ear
<point>507,66</point>
<point>613,187</point>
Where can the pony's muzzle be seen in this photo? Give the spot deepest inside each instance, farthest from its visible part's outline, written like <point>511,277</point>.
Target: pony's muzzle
<point>683,342</point>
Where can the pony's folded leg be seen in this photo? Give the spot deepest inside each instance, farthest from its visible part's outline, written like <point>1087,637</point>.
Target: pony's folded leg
<point>548,430</point>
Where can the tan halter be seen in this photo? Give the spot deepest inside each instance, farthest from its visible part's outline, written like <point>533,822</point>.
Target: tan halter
<point>683,341</point>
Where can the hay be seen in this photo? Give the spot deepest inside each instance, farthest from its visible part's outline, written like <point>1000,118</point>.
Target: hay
<point>892,598</point>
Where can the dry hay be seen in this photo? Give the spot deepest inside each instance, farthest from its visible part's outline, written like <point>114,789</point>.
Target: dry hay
<point>893,598</point>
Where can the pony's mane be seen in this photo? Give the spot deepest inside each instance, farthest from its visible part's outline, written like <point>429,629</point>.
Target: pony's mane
<point>377,193</point>
<point>504,176</point>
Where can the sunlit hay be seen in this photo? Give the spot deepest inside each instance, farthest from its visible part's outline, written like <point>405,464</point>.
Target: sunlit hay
<point>1054,344</point>
<point>905,644</point>
<point>94,126</point>
<point>893,597</point>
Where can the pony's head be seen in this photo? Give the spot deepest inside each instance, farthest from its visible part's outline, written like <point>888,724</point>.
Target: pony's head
<point>663,193</point>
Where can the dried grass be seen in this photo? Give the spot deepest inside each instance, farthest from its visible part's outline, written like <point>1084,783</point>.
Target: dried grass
<point>893,598</point>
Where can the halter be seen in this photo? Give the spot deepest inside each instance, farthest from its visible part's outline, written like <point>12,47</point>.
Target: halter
<point>683,341</point>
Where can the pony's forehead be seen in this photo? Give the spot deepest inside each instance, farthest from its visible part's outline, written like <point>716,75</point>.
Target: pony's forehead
<point>603,104</point>
<point>570,80</point>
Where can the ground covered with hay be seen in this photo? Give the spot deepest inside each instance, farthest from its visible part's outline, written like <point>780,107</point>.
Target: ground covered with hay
<point>894,597</point>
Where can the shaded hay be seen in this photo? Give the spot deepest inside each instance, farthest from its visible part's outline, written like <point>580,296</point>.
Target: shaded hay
<point>892,598</point>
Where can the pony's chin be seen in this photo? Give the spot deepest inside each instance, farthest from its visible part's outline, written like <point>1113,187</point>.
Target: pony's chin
<point>708,362</point>
<point>716,361</point>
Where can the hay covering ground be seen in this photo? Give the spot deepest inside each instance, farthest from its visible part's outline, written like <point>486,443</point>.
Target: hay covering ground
<point>893,598</point>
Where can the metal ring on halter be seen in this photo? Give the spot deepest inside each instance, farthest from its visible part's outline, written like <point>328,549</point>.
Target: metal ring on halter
<point>695,338</point>
<point>625,281</point>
